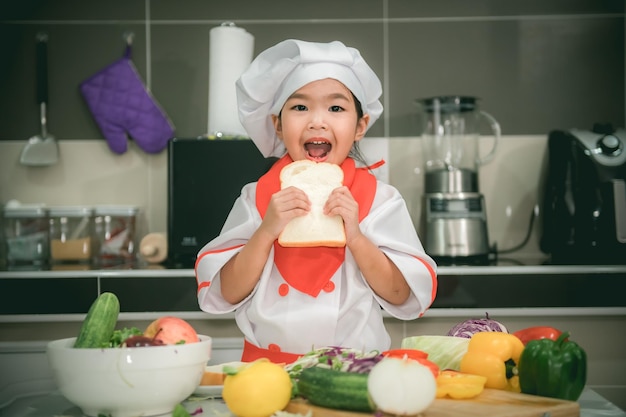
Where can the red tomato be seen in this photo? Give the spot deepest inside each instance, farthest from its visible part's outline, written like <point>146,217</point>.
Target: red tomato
<point>417,355</point>
<point>410,353</point>
<point>537,332</point>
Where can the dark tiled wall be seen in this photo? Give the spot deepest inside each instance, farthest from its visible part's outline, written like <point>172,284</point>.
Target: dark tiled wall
<point>536,65</point>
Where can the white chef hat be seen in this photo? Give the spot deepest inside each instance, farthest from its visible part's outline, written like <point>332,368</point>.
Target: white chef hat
<point>279,71</point>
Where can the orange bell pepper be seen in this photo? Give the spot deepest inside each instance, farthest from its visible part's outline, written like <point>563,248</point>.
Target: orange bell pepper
<point>494,355</point>
<point>459,385</point>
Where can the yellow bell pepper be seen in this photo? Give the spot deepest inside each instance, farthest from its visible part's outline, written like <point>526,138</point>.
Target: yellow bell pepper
<point>459,385</point>
<point>494,355</point>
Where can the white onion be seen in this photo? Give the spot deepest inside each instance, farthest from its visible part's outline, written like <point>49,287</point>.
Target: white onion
<point>401,386</point>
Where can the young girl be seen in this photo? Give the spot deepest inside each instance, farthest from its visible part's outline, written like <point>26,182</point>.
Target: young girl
<point>303,100</point>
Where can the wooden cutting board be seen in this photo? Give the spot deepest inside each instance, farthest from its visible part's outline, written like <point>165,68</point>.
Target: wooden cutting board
<point>490,403</point>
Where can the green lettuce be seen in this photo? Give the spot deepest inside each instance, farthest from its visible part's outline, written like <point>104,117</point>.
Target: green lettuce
<point>445,351</point>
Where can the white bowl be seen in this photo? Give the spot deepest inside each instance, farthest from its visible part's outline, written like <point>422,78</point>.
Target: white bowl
<point>128,382</point>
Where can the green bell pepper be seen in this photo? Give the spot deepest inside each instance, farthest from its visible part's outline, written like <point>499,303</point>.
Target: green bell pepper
<point>553,368</point>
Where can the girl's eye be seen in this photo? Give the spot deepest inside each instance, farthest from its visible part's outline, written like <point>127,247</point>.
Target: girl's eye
<point>299,107</point>
<point>335,109</point>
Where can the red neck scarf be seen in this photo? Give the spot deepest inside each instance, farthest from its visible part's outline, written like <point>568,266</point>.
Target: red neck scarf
<point>308,270</point>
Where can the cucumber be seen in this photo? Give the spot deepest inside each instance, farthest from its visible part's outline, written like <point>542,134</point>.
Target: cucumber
<point>335,389</point>
<point>100,322</point>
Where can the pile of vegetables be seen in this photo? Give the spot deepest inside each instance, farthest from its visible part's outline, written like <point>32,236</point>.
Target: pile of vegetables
<point>350,379</point>
<point>539,360</point>
<point>393,385</point>
<point>98,329</point>
<point>475,354</point>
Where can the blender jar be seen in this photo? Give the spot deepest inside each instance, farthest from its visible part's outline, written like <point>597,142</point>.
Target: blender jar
<point>71,234</point>
<point>26,233</point>
<point>450,132</point>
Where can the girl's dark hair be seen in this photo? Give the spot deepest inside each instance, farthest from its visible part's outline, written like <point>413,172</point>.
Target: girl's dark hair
<point>355,152</point>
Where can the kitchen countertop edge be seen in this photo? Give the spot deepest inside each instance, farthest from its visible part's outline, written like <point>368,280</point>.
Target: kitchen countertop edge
<point>442,270</point>
<point>432,313</point>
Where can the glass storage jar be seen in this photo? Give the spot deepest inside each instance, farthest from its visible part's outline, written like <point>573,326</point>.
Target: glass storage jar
<point>71,234</point>
<point>115,234</point>
<point>26,234</point>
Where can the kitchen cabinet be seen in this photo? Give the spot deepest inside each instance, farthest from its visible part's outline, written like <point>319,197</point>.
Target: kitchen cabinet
<point>502,286</point>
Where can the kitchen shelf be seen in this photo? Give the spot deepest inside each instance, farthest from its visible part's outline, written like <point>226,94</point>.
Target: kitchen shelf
<point>456,270</point>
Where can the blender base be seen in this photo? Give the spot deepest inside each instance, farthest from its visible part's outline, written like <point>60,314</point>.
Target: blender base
<point>456,228</point>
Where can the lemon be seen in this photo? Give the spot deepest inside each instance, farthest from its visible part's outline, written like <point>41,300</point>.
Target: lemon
<point>258,389</point>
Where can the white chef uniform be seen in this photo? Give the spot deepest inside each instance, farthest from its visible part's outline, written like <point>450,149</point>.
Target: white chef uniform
<point>286,314</point>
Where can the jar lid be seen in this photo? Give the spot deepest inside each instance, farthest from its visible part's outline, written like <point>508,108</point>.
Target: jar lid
<point>449,104</point>
<point>116,210</point>
<point>26,210</point>
<point>71,211</point>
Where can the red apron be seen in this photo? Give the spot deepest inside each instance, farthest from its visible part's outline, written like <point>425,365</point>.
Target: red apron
<point>308,270</point>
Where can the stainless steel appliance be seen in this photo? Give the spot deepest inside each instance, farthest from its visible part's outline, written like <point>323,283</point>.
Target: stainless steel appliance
<point>205,177</point>
<point>584,207</point>
<point>455,215</point>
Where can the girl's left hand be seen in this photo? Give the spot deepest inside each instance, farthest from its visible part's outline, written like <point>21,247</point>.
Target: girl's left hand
<point>341,202</point>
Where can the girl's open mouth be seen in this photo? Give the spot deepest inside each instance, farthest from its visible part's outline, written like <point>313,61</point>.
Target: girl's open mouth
<point>317,150</point>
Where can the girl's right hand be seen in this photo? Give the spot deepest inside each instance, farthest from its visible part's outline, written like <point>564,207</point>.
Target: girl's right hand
<point>284,205</point>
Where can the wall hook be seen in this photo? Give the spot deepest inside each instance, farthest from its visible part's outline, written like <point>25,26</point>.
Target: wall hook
<point>128,37</point>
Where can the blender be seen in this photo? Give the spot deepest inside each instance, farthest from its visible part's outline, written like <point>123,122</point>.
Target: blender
<point>455,215</point>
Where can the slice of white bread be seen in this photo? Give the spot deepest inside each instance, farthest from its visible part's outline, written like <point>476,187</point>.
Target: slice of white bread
<point>214,374</point>
<point>317,180</point>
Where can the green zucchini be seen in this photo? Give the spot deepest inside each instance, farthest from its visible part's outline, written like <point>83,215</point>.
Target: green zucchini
<point>100,322</point>
<point>335,389</point>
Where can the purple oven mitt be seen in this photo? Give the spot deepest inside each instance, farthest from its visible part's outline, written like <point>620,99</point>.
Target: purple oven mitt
<point>120,104</point>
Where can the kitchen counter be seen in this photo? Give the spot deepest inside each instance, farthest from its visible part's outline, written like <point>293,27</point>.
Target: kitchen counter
<point>54,405</point>
<point>585,299</point>
<point>527,287</point>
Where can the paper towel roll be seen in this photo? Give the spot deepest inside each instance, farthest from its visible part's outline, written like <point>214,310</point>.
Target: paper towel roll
<point>230,54</point>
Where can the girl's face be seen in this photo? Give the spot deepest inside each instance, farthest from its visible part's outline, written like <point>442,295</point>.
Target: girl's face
<point>319,122</point>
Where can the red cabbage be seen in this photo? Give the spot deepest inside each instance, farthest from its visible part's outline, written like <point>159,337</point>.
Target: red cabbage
<point>336,357</point>
<point>468,327</point>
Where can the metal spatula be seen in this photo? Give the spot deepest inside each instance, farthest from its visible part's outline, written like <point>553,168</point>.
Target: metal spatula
<point>41,150</point>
